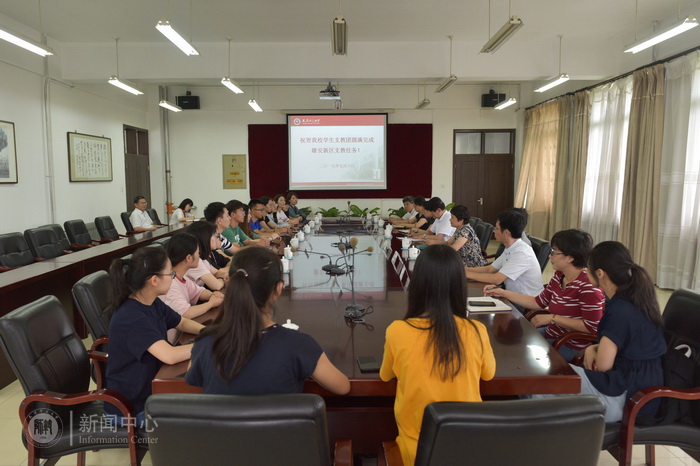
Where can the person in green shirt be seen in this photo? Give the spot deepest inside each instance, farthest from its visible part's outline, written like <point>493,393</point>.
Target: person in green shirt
<point>234,233</point>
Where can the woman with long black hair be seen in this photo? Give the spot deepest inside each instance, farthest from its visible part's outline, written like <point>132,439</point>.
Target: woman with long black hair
<point>435,352</point>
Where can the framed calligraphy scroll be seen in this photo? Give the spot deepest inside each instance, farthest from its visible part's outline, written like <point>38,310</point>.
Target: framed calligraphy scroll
<point>89,157</point>
<point>8,153</point>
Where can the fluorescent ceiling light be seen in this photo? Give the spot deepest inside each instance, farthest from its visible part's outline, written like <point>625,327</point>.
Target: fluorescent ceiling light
<point>506,103</point>
<point>230,84</point>
<point>661,35</point>
<point>561,79</point>
<point>502,36</point>
<point>447,83</point>
<point>339,36</point>
<point>114,81</point>
<point>254,105</point>
<point>170,106</point>
<point>167,30</point>
<point>26,44</point>
<point>423,103</point>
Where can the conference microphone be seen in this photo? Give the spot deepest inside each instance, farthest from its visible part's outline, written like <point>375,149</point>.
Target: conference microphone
<point>354,242</point>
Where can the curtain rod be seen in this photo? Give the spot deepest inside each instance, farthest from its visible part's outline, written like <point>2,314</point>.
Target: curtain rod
<point>622,76</point>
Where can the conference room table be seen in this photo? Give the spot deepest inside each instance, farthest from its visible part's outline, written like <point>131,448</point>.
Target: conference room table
<point>58,275</point>
<point>317,302</point>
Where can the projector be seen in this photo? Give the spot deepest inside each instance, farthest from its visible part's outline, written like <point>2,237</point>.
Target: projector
<point>329,93</point>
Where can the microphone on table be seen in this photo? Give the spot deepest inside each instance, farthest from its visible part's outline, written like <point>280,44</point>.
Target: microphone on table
<point>354,242</point>
<point>330,268</point>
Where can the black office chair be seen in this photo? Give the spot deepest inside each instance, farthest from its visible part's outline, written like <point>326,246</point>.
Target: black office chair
<point>473,221</point>
<point>484,231</point>
<point>44,243</point>
<point>127,223</point>
<point>542,249</point>
<point>14,251</point>
<point>52,365</point>
<point>682,327</point>
<point>163,242</point>
<point>60,234</point>
<point>551,431</point>
<point>107,231</point>
<point>154,216</point>
<point>92,296</point>
<point>230,429</point>
<point>78,235</point>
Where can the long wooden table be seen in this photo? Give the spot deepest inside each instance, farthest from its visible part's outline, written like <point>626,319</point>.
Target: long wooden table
<point>58,275</point>
<point>525,362</point>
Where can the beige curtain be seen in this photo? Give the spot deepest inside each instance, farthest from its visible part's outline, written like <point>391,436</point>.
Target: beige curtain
<point>567,201</point>
<point>546,134</point>
<point>639,221</point>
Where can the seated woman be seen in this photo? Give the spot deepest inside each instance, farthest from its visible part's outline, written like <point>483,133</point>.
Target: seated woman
<point>204,273</point>
<point>280,214</point>
<point>423,219</point>
<point>137,331</point>
<point>574,303</point>
<point>267,221</point>
<point>182,213</point>
<point>435,353</point>
<point>464,240</point>
<point>631,341</point>
<point>245,352</point>
<point>184,294</point>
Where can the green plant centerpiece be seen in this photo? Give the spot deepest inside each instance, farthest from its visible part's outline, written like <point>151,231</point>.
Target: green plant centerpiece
<point>332,212</point>
<point>355,211</point>
<point>400,212</point>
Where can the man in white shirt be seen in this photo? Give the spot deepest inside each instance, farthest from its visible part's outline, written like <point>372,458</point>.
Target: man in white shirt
<point>517,268</point>
<point>409,205</point>
<point>139,218</point>
<point>441,230</point>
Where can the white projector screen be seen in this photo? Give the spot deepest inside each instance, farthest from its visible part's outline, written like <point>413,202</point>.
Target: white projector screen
<point>337,151</point>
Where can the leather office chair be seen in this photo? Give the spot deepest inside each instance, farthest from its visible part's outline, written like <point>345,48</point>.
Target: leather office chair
<point>127,223</point>
<point>14,251</point>
<point>78,235</point>
<point>551,431</point>
<point>542,249</point>
<point>92,295</point>
<point>52,366</point>
<point>682,326</point>
<point>473,221</point>
<point>229,429</point>
<point>163,242</point>
<point>60,234</point>
<point>44,243</point>
<point>105,227</point>
<point>154,216</point>
<point>484,231</point>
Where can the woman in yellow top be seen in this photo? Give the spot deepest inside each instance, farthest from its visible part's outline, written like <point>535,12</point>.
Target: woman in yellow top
<point>435,353</point>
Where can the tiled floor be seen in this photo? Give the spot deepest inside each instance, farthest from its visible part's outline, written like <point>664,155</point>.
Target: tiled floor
<point>13,453</point>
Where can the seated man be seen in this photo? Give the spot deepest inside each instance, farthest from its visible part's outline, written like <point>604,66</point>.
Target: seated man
<point>257,212</point>
<point>268,223</point>
<point>409,204</point>
<point>217,214</point>
<point>293,211</point>
<point>234,233</point>
<point>139,218</point>
<point>441,230</point>
<point>517,268</point>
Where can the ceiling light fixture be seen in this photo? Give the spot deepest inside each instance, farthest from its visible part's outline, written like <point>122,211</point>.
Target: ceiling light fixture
<point>506,103</point>
<point>501,37</point>
<point>453,78</point>
<point>254,105</point>
<point>226,80</point>
<point>170,106</point>
<point>422,104</point>
<point>661,35</point>
<point>115,81</point>
<point>173,36</point>
<point>26,44</point>
<point>562,78</point>
<point>339,33</point>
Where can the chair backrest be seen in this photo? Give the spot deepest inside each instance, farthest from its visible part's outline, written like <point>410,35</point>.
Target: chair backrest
<point>296,422</point>
<point>43,349</point>
<point>105,227</point>
<point>513,432</point>
<point>473,221</point>
<point>484,231</point>
<point>127,223</point>
<point>14,250</point>
<point>60,234</point>
<point>77,232</point>
<point>92,295</point>
<point>163,242</point>
<point>542,249</point>
<point>681,315</point>
<point>43,242</point>
<point>154,216</point>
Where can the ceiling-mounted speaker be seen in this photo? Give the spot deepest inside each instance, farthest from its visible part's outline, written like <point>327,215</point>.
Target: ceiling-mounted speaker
<point>188,102</point>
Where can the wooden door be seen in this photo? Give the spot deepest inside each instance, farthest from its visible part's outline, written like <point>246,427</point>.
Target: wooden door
<point>137,165</point>
<point>483,171</point>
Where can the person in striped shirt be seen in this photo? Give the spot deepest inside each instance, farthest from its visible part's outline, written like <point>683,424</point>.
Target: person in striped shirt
<point>574,304</point>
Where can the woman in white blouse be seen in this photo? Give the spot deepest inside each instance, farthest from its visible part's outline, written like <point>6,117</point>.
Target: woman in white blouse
<point>182,213</point>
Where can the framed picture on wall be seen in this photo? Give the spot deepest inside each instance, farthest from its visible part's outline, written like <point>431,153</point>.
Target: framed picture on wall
<point>8,153</point>
<point>89,157</point>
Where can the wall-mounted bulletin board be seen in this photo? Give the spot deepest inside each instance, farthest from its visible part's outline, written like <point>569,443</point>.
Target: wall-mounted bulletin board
<point>89,157</point>
<point>234,171</point>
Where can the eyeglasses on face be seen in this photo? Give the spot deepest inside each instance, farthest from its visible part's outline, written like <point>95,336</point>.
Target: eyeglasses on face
<point>552,252</point>
<point>171,274</point>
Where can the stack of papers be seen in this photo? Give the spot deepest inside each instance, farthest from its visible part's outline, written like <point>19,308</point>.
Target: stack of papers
<point>486,304</point>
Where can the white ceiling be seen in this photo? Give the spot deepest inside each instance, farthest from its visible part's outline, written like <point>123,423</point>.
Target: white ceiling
<point>389,40</point>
